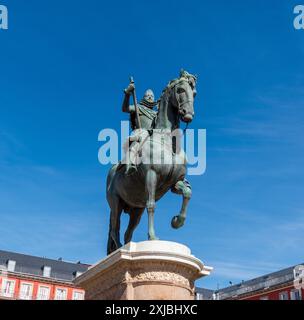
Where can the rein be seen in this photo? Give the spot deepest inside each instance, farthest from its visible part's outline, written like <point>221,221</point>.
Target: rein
<point>184,131</point>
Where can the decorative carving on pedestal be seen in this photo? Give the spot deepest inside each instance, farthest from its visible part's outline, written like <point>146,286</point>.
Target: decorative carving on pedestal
<point>151,270</point>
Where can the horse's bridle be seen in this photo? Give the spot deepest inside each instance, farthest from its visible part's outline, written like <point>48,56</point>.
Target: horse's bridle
<point>171,86</point>
<point>180,105</point>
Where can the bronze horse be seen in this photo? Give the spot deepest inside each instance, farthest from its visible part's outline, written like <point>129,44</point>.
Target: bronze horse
<point>153,179</point>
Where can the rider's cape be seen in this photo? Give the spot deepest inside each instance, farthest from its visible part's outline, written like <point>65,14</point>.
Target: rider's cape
<point>149,113</point>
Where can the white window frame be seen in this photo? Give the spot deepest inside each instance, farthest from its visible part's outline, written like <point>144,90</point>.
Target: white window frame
<point>22,295</point>
<point>283,293</point>
<point>75,292</point>
<point>294,291</point>
<point>199,296</point>
<point>42,297</point>
<point>12,291</point>
<point>61,298</point>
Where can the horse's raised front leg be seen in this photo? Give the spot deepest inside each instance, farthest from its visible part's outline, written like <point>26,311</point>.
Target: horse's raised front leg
<point>151,180</point>
<point>184,188</point>
<point>135,216</point>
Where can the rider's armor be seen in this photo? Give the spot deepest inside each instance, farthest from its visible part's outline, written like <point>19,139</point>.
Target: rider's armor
<point>147,116</point>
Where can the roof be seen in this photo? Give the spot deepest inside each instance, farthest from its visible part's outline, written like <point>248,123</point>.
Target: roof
<point>259,283</point>
<point>31,265</point>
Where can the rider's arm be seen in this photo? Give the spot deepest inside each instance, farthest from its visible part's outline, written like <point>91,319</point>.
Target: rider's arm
<point>126,103</point>
<point>126,107</point>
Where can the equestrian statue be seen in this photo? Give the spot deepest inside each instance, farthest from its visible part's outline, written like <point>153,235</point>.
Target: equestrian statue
<point>154,162</point>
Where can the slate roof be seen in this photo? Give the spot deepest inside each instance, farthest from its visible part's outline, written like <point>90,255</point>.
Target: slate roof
<point>31,265</point>
<point>260,283</point>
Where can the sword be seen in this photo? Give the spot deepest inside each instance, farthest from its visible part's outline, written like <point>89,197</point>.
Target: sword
<point>135,104</point>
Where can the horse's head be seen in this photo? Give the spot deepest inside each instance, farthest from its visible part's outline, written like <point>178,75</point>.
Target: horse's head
<point>183,92</point>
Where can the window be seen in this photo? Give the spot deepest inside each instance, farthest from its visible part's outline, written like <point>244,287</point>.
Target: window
<point>295,295</point>
<point>3,272</point>
<point>283,295</point>
<point>43,293</point>
<point>26,291</point>
<point>264,298</point>
<point>8,287</point>
<point>61,294</point>
<point>199,296</point>
<point>47,271</point>
<point>78,295</point>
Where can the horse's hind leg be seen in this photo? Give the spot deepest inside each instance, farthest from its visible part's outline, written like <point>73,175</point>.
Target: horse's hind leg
<point>135,216</point>
<point>114,234</point>
<point>151,180</point>
<point>184,188</point>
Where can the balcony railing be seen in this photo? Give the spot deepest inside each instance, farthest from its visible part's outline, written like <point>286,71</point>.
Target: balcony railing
<point>25,296</point>
<point>42,297</point>
<point>7,293</point>
<point>11,295</point>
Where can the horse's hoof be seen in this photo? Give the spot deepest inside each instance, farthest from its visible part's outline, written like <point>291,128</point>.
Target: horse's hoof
<point>152,238</point>
<point>177,222</point>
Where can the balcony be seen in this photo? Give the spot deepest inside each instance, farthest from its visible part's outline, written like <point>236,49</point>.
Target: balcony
<point>42,297</point>
<point>25,296</point>
<point>7,294</point>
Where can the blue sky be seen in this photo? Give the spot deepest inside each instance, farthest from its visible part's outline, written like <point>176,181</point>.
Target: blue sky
<point>63,67</point>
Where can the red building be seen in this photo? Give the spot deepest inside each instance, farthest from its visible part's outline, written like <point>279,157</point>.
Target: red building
<point>33,278</point>
<point>286,284</point>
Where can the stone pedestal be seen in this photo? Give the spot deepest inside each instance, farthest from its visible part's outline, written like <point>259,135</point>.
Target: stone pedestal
<point>149,270</point>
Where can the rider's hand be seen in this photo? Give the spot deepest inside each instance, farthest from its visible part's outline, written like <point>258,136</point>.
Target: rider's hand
<point>130,89</point>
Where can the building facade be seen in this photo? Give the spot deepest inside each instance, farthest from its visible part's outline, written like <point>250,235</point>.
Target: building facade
<point>25,277</point>
<point>286,284</point>
<point>203,294</point>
